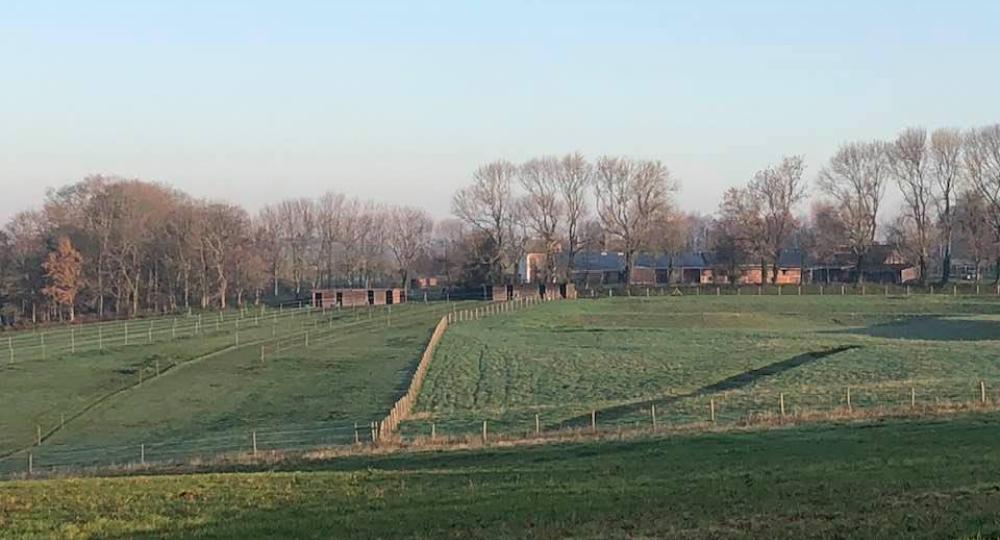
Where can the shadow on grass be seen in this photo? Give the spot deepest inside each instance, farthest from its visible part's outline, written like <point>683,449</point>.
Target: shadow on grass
<point>734,382</point>
<point>931,328</point>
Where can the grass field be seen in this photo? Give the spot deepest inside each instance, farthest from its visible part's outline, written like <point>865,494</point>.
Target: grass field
<point>620,357</point>
<point>110,406</point>
<point>913,479</point>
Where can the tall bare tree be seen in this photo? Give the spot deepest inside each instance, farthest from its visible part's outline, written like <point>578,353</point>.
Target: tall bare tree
<point>487,206</point>
<point>946,170</point>
<point>632,196</point>
<point>741,231</point>
<point>542,206</point>
<point>573,178</point>
<point>982,165</point>
<point>856,178</point>
<point>909,158</point>
<point>408,237</point>
<point>779,189</point>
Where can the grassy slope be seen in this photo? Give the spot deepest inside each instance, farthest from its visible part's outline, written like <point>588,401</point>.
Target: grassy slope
<point>561,360</point>
<point>351,372</point>
<point>928,479</point>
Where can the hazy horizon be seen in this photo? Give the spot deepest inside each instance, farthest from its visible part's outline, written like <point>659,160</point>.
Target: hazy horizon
<point>399,103</point>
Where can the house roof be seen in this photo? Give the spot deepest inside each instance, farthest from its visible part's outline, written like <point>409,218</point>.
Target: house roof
<point>611,261</point>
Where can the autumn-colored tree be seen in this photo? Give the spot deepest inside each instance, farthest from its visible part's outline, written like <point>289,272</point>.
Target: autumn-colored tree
<point>62,271</point>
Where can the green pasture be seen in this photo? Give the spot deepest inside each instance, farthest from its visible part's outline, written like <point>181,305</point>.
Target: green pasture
<point>622,357</point>
<point>211,395</point>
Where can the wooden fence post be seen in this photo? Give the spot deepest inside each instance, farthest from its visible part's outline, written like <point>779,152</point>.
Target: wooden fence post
<point>982,391</point>
<point>711,409</point>
<point>593,420</point>
<point>484,432</point>
<point>913,398</point>
<point>849,409</point>
<point>142,454</point>
<point>652,414</point>
<point>253,440</point>
<point>538,425</point>
<point>781,400</point>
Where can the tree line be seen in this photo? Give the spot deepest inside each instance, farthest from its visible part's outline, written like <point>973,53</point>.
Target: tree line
<point>118,247</point>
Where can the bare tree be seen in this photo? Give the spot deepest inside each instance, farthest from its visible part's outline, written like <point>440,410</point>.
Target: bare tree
<point>268,229</point>
<point>909,158</point>
<point>946,170</point>
<point>223,238</point>
<point>975,231</point>
<point>408,236</point>
<point>741,231</point>
<point>487,206</point>
<point>779,189</point>
<point>541,206</point>
<point>632,196</point>
<point>982,165</point>
<point>856,180</point>
<point>574,176</point>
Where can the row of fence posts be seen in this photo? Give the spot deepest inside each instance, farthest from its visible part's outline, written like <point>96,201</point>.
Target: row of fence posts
<point>782,407</point>
<point>798,288</point>
<point>498,308</point>
<point>379,430</point>
<point>404,405</point>
<point>197,330</point>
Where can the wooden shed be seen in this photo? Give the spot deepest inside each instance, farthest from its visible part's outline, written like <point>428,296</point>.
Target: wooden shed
<point>357,297</point>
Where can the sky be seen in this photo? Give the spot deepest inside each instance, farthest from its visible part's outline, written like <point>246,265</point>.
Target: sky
<point>252,102</point>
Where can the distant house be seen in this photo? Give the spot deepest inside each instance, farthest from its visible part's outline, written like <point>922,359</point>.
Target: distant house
<point>608,268</point>
<point>882,264</point>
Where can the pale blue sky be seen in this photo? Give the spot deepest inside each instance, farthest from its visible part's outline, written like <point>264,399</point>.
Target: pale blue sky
<point>399,101</point>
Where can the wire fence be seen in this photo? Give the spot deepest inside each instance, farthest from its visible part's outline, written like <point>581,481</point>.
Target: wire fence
<point>737,408</point>
<point>70,458</point>
<point>792,289</point>
<point>69,340</point>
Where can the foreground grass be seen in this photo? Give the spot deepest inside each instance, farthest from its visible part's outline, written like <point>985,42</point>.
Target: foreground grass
<point>916,479</point>
<point>563,360</point>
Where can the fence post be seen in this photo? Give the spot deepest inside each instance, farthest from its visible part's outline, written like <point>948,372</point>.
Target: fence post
<point>142,454</point>
<point>157,367</point>
<point>253,438</point>
<point>433,427</point>
<point>849,408</point>
<point>781,399</point>
<point>38,435</point>
<point>484,432</point>
<point>149,334</point>
<point>100,339</point>
<point>652,414</point>
<point>10,348</point>
<point>72,340</point>
<point>593,420</point>
<point>538,425</point>
<point>31,464</point>
<point>43,345</point>
<point>982,391</point>
<point>711,409</point>
<point>126,333</point>
<point>913,398</point>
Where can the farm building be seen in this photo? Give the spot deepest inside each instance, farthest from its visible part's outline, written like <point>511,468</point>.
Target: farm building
<point>608,268</point>
<point>357,297</point>
<point>503,293</point>
<point>882,264</point>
